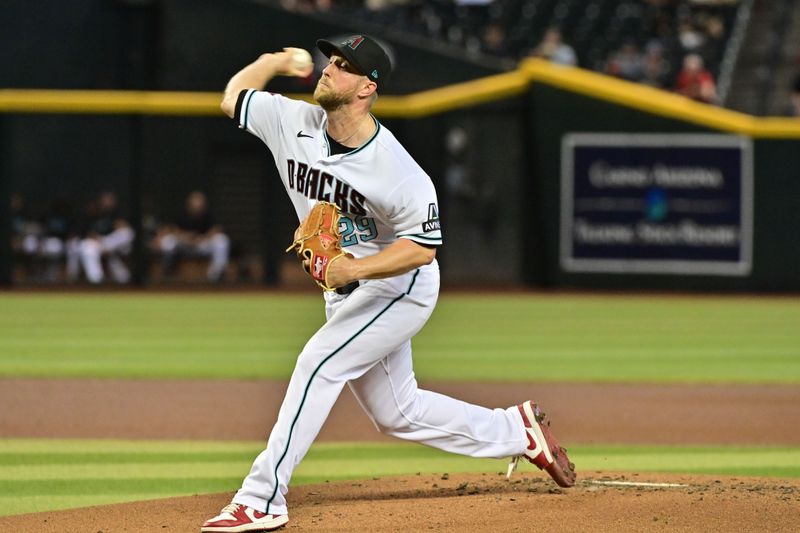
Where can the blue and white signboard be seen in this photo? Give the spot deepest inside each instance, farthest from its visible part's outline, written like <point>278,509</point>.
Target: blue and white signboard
<point>656,203</point>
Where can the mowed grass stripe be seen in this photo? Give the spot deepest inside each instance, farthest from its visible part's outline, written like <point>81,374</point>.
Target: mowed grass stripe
<point>542,337</point>
<point>644,365</point>
<point>108,447</point>
<point>148,458</point>
<point>11,505</point>
<point>119,486</point>
<point>14,479</point>
<point>111,471</point>
<point>37,475</point>
<point>119,458</point>
<point>759,461</point>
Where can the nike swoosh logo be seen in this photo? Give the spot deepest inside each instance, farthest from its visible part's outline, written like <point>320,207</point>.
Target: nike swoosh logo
<point>301,134</point>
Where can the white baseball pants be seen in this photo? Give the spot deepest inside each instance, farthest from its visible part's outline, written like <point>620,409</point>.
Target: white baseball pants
<point>92,250</point>
<point>217,247</point>
<point>366,343</point>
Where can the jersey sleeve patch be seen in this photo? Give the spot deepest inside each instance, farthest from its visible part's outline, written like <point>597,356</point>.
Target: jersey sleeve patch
<point>429,232</point>
<point>432,224</point>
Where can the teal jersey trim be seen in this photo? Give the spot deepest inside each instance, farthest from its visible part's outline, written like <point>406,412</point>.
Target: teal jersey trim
<point>377,129</point>
<point>313,374</point>
<point>439,239</point>
<point>247,108</point>
<point>355,150</point>
<point>413,280</point>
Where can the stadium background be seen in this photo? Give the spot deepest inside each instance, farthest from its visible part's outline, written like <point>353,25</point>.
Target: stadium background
<point>489,130</point>
<point>168,46</point>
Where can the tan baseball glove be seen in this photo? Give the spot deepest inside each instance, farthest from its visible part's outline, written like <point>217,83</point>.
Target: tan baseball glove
<point>317,241</point>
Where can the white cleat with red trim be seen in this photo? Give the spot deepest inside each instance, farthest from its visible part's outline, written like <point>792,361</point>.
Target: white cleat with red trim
<point>236,517</point>
<point>543,449</point>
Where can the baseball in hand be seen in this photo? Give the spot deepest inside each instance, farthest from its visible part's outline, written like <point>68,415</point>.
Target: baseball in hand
<point>301,59</point>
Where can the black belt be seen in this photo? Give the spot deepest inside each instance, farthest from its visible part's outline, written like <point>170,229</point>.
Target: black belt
<point>347,289</point>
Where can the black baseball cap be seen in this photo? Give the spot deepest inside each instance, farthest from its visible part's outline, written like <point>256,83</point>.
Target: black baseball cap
<point>364,53</point>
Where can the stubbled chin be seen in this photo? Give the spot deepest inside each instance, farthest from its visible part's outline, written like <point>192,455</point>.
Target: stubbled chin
<point>326,100</point>
<point>319,92</point>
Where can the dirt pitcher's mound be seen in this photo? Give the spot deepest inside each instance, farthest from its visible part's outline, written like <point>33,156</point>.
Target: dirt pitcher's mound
<point>476,502</point>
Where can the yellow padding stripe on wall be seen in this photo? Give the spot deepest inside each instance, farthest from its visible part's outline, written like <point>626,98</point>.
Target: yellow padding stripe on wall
<point>656,101</point>
<point>420,104</point>
<point>110,102</point>
<point>456,96</point>
<point>423,103</point>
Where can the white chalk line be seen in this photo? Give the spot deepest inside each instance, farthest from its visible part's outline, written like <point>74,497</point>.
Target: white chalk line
<point>637,484</point>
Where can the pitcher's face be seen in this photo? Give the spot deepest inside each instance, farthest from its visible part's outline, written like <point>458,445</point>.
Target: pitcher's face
<point>339,83</point>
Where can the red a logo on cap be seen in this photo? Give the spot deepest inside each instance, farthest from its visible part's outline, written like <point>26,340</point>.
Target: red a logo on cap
<point>353,42</point>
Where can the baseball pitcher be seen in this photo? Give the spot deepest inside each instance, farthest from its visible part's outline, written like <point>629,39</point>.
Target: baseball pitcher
<point>368,236</point>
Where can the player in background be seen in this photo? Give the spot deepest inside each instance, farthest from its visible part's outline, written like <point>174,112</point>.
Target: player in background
<point>108,236</point>
<point>26,233</point>
<point>339,152</point>
<point>195,233</point>
<point>59,241</point>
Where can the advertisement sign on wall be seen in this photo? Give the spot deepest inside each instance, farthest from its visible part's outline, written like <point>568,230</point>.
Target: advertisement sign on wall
<point>656,203</point>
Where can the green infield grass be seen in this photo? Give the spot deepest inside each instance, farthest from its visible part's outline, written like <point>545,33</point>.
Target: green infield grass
<point>515,337</point>
<point>39,475</point>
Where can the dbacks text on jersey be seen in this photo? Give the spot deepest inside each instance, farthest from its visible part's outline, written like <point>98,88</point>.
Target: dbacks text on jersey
<point>317,185</point>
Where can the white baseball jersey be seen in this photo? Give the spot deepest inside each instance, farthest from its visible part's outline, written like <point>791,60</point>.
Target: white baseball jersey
<point>382,192</point>
<point>366,339</point>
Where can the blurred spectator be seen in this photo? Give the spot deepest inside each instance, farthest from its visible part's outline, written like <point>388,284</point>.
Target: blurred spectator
<point>795,97</point>
<point>656,68</point>
<point>59,241</point>
<point>305,6</point>
<point>714,45</point>
<point>194,234</point>
<point>457,174</point>
<point>377,5</point>
<point>695,81</point>
<point>504,29</point>
<point>108,236</point>
<point>627,63</point>
<point>25,234</point>
<point>311,6</point>
<point>555,49</point>
<point>494,40</point>
<point>690,37</point>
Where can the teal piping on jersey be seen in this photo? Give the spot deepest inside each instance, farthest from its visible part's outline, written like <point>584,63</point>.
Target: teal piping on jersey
<point>422,237</point>
<point>327,144</point>
<point>413,279</point>
<point>246,106</point>
<point>313,374</point>
<point>377,129</point>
